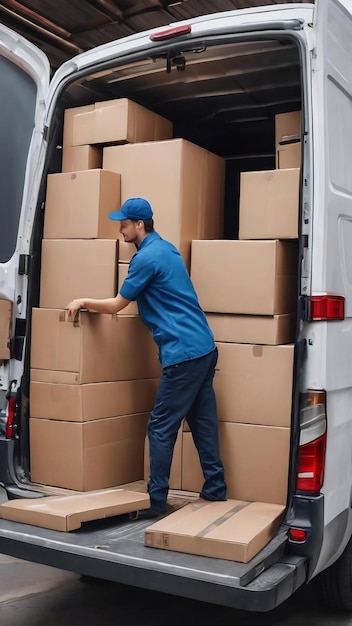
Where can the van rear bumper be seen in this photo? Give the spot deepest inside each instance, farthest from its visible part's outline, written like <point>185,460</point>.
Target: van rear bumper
<point>207,581</point>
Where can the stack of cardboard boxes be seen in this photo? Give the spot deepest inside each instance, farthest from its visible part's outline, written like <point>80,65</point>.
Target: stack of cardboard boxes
<point>248,288</point>
<point>91,392</point>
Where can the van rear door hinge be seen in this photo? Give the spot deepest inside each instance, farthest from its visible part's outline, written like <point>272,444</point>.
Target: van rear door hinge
<point>24,264</point>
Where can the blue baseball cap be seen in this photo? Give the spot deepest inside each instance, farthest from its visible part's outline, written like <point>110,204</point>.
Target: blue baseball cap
<point>133,209</point>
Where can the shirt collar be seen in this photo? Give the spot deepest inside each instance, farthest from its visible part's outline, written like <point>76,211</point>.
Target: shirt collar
<point>148,239</point>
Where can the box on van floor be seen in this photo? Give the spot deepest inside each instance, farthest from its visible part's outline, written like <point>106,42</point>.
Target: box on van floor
<point>233,530</point>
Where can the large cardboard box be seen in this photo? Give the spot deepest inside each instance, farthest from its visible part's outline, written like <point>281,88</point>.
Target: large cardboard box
<point>176,465</point>
<point>248,277</point>
<point>73,268</point>
<point>253,383</point>
<point>87,402</point>
<point>256,461</point>
<point>115,121</point>
<point>77,158</point>
<point>68,512</point>
<point>269,204</point>
<point>5,328</point>
<point>232,530</point>
<point>132,308</point>
<point>90,455</point>
<point>98,348</point>
<point>77,205</point>
<point>183,182</point>
<point>69,117</point>
<point>259,329</point>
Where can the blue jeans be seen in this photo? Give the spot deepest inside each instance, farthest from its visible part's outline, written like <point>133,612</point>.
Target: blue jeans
<point>186,391</point>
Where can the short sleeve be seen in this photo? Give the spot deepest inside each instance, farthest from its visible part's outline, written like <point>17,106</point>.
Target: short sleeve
<point>141,272</point>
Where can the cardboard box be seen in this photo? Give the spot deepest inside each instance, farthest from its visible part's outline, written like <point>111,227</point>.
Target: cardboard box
<point>116,121</point>
<point>98,348</point>
<point>192,478</point>
<point>126,251</point>
<point>90,455</point>
<point>287,126</point>
<point>253,384</point>
<point>77,158</point>
<point>78,203</point>
<point>69,116</point>
<point>132,308</point>
<point>256,461</point>
<point>87,402</point>
<point>67,513</point>
<point>289,155</point>
<point>259,329</point>
<point>72,268</point>
<point>5,328</point>
<point>183,182</point>
<point>269,204</point>
<point>175,470</point>
<point>248,277</point>
<point>232,530</point>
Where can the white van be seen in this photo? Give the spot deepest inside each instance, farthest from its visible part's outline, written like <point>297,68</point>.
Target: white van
<point>220,79</point>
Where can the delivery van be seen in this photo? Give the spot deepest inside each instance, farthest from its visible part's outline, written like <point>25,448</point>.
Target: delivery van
<point>237,126</point>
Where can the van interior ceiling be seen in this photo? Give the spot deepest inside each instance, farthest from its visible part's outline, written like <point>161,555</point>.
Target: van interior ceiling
<point>222,96</point>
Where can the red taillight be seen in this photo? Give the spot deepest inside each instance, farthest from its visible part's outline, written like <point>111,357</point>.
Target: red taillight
<point>297,535</point>
<point>169,33</point>
<point>311,463</point>
<point>327,307</point>
<point>11,408</point>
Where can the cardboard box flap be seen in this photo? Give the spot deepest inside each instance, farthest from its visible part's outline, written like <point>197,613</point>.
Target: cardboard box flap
<point>67,512</point>
<point>233,530</point>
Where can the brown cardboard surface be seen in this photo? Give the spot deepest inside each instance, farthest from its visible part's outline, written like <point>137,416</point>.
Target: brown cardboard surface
<point>191,472</point>
<point>117,121</point>
<point>258,329</point>
<point>98,348</point>
<point>67,513</point>
<point>175,471</point>
<point>69,117</point>
<point>256,460</point>
<point>5,328</point>
<point>84,403</point>
<point>183,182</point>
<point>132,308</point>
<point>269,204</point>
<point>248,277</point>
<point>287,125</point>
<point>289,155</point>
<point>76,267</point>
<point>77,158</point>
<point>232,530</point>
<point>253,384</point>
<point>126,251</point>
<point>77,205</point>
<point>86,456</point>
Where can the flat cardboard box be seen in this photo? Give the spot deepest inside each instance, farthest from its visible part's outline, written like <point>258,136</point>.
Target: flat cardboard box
<point>67,513</point>
<point>289,155</point>
<point>5,328</point>
<point>132,308</point>
<point>256,461</point>
<point>253,383</point>
<point>183,182</point>
<point>97,348</point>
<point>258,329</point>
<point>77,158</point>
<point>77,205</point>
<point>72,268</point>
<point>269,204</point>
<point>246,277</point>
<point>90,455</point>
<point>88,402</point>
<point>175,470</point>
<point>232,530</point>
<point>118,121</point>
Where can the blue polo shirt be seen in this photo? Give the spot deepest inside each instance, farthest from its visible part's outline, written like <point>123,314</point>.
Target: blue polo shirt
<point>167,302</point>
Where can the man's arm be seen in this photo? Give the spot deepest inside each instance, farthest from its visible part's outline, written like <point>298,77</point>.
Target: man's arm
<point>107,305</point>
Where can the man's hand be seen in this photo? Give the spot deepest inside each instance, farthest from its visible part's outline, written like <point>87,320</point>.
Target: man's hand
<point>73,307</point>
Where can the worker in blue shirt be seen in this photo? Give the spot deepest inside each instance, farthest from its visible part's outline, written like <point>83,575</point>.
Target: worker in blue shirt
<point>167,303</point>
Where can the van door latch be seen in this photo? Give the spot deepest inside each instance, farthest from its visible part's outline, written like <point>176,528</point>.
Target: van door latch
<point>24,264</point>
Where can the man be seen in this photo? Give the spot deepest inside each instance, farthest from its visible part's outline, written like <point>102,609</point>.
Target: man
<point>168,305</point>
